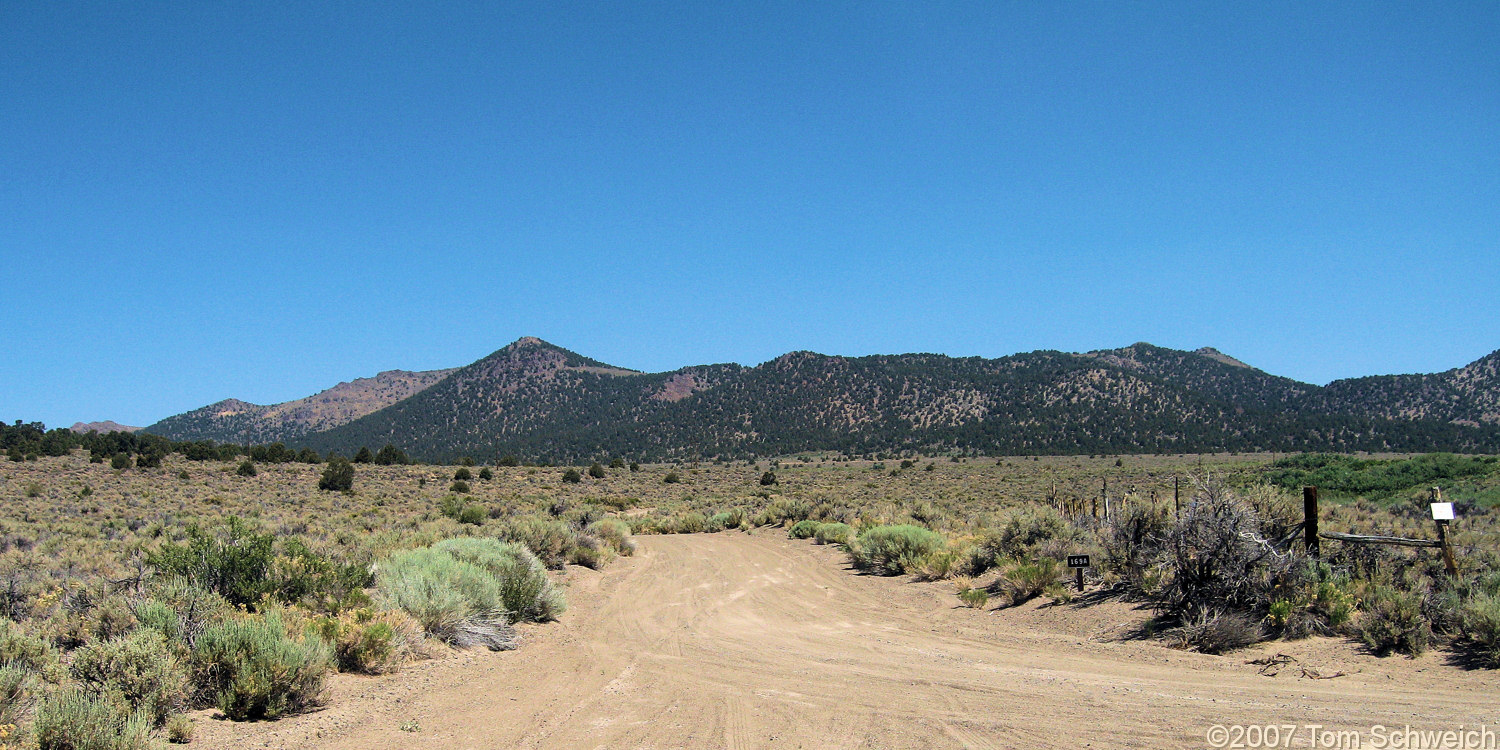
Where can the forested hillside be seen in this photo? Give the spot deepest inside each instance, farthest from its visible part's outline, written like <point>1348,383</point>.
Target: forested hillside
<point>537,401</point>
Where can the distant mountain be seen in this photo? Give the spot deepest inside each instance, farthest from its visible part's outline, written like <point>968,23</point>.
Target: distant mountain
<point>101,427</point>
<point>538,401</point>
<point>1467,395</point>
<point>236,421</point>
<point>537,398</point>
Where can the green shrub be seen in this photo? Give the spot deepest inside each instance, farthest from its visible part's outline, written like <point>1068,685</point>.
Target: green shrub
<point>467,591</point>
<point>74,720</point>
<point>444,594</point>
<point>179,729</point>
<point>893,550</point>
<point>246,469</point>
<point>460,487</point>
<point>689,523</point>
<point>473,514</point>
<point>370,642</point>
<point>1481,624</point>
<point>486,474</point>
<point>119,461</point>
<point>974,597</point>
<point>596,471</point>
<point>154,615</point>
<point>1393,621</point>
<point>243,566</point>
<point>1023,581</point>
<point>180,610</point>
<point>547,538</point>
<point>18,689</point>
<point>591,552</point>
<point>833,533</point>
<point>235,563</point>
<point>1031,532</point>
<point>767,479</point>
<point>462,474</point>
<point>719,522</point>
<point>1331,600</point>
<point>23,649</point>
<point>252,668</point>
<point>803,530</point>
<point>571,476</point>
<point>140,668</point>
<point>616,534</point>
<point>526,592</point>
<point>338,474</point>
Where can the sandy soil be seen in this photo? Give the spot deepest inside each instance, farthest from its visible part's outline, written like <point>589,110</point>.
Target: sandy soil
<point>749,641</point>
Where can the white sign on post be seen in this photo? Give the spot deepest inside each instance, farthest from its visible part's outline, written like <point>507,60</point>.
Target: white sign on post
<point>1442,511</point>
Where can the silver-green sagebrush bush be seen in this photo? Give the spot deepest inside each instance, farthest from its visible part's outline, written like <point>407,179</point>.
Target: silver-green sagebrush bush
<point>1393,621</point>
<point>72,719</point>
<point>454,601</point>
<point>893,550</point>
<point>467,591</point>
<point>18,690</point>
<point>140,668</point>
<point>833,533</point>
<point>253,668</point>
<point>525,590</point>
<point>1481,624</point>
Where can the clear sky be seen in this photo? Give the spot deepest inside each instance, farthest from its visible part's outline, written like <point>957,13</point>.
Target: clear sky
<point>201,200</point>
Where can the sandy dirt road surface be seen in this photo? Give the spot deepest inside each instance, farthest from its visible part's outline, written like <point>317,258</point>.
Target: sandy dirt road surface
<point>750,641</point>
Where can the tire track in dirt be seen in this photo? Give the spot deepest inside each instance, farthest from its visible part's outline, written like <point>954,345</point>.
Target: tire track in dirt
<point>749,641</point>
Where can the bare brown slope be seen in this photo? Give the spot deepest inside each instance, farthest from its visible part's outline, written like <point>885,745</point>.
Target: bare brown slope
<point>346,402</point>
<point>101,427</point>
<point>735,641</point>
<point>235,421</point>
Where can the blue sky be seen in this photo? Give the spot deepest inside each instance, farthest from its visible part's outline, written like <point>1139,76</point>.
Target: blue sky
<point>259,200</point>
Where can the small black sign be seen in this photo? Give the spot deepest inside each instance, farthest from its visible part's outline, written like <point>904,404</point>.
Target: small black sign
<point>1078,561</point>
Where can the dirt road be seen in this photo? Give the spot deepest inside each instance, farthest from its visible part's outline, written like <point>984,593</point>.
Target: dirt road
<point>739,641</point>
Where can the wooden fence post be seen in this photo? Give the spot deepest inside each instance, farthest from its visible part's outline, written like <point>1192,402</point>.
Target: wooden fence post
<point>1442,532</point>
<point>1310,519</point>
<point>1176,496</point>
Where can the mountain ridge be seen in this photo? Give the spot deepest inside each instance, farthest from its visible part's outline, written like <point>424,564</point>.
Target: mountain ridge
<point>534,399</point>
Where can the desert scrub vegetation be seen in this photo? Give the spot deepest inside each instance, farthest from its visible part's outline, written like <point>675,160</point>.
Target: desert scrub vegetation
<point>90,554</point>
